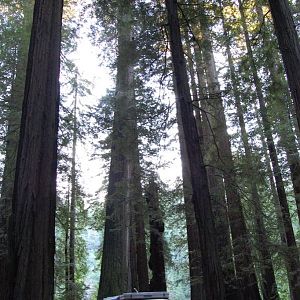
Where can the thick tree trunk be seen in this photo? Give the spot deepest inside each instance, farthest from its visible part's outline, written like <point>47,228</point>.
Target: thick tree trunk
<point>31,235</point>
<point>12,136</point>
<point>156,261</point>
<point>289,46</point>
<point>212,273</point>
<point>293,259</point>
<point>124,262</point>
<point>115,277</point>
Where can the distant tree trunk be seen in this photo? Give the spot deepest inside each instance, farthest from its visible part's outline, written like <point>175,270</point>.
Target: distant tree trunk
<point>269,287</point>
<point>136,199</point>
<point>274,197</point>
<point>116,277</point>
<point>212,273</point>
<point>72,283</point>
<point>289,46</point>
<point>293,259</point>
<point>223,159</point>
<point>278,83</point>
<point>216,186</point>
<point>66,246</point>
<point>32,235</point>
<point>139,257</point>
<point>273,191</point>
<point>241,241</point>
<point>12,136</point>
<point>215,179</point>
<point>156,261</point>
<point>196,280</point>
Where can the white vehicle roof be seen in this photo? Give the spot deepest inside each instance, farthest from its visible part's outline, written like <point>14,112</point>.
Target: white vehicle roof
<point>140,296</point>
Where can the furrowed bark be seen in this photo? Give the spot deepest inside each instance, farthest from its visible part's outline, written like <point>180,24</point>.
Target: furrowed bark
<point>31,233</point>
<point>212,273</point>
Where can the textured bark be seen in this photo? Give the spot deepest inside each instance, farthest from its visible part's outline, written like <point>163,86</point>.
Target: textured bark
<point>293,258</point>
<point>289,46</point>
<point>215,179</point>
<point>138,208</point>
<point>32,223</point>
<point>240,236</point>
<point>223,159</point>
<point>196,280</point>
<point>124,263</point>
<point>156,260</point>
<point>12,135</point>
<point>115,275</point>
<point>216,187</point>
<point>212,273</point>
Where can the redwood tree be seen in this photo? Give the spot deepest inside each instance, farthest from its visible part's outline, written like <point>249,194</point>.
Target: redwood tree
<point>212,273</point>
<point>289,46</point>
<point>31,232</point>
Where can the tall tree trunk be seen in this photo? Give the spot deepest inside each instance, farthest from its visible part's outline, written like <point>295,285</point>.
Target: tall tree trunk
<point>274,197</point>
<point>141,251</point>
<point>72,283</point>
<point>289,46</point>
<point>278,83</point>
<point>66,246</point>
<point>194,247</point>
<point>137,203</point>
<point>31,234</point>
<point>215,178</point>
<point>269,286</point>
<point>218,129</point>
<point>156,261</point>
<point>287,141</point>
<point>196,281</point>
<point>115,275</point>
<point>240,236</point>
<point>12,136</point>
<point>293,263</point>
<point>212,273</point>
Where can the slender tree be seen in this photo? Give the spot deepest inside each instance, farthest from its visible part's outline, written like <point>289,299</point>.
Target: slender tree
<point>269,286</point>
<point>71,280</point>
<point>293,258</point>
<point>278,93</point>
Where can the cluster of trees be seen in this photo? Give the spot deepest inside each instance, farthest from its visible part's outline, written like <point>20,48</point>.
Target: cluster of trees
<point>233,67</point>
